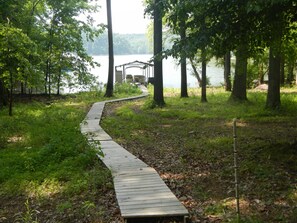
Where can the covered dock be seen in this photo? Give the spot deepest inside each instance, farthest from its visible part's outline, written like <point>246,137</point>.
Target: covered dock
<point>123,76</point>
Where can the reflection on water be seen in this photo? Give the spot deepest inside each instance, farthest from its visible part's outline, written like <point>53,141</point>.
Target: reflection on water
<point>171,71</point>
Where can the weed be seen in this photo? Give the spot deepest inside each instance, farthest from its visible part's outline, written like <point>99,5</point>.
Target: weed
<point>62,207</point>
<point>29,216</point>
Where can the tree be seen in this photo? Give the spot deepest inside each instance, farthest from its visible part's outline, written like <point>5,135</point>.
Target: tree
<point>16,49</point>
<point>282,14</point>
<point>203,76</point>
<point>183,64</point>
<point>273,95</point>
<point>158,65</point>
<point>51,29</point>
<point>109,86</point>
<point>239,84</point>
<point>227,71</point>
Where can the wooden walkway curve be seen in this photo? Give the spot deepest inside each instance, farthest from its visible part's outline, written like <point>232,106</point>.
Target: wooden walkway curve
<point>140,191</point>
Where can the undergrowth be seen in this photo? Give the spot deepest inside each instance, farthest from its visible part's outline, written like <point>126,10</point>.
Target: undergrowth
<point>49,171</point>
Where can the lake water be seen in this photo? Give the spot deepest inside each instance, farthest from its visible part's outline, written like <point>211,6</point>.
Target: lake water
<point>171,71</point>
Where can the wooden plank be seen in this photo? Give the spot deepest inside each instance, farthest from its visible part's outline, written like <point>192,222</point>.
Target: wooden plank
<point>96,111</point>
<point>151,201</point>
<point>141,193</point>
<point>135,179</point>
<point>154,212</point>
<point>156,205</point>
<point>163,196</point>
<point>137,187</point>
<point>144,185</point>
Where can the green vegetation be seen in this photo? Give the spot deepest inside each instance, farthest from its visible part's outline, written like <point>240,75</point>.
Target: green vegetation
<point>191,145</point>
<point>48,169</point>
<point>41,46</point>
<point>260,34</point>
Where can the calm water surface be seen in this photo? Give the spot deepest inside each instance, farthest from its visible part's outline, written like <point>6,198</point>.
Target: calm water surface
<point>171,71</point>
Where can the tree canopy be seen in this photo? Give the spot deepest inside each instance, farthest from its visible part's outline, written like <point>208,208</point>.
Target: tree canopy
<point>247,28</point>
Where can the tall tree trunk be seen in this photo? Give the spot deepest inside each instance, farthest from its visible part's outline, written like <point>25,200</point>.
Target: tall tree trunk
<point>183,64</point>
<point>273,95</point>
<point>203,76</point>
<point>239,85</point>
<point>48,78</point>
<point>184,82</point>
<point>59,80</point>
<point>22,88</point>
<point>3,94</point>
<point>10,91</point>
<point>227,71</point>
<point>109,86</point>
<point>158,63</point>
<point>282,70</point>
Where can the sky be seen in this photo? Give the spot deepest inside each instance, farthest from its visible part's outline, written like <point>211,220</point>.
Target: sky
<point>127,16</point>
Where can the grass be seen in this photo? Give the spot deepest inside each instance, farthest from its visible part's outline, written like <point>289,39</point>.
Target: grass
<point>48,169</point>
<point>192,142</point>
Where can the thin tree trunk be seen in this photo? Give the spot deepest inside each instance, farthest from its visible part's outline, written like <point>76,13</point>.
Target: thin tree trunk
<point>239,85</point>
<point>203,85</point>
<point>10,92</point>
<point>196,73</point>
<point>22,88</point>
<point>3,95</point>
<point>227,71</point>
<point>261,72</point>
<point>46,78</point>
<point>273,95</point>
<point>30,93</point>
<point>158,64</point>
<point>109,86</point>
<point>49,80</point>
<point>59,81</point>
<point>183,64</point>
<point>290,75</point>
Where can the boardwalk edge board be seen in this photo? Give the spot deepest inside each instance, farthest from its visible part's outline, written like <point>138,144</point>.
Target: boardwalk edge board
<point>140,191</point>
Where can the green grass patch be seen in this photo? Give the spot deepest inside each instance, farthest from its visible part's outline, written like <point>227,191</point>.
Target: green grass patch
<point>45,159</point>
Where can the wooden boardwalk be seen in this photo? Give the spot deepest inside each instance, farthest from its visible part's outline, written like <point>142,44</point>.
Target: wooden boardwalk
<point>140,191</point>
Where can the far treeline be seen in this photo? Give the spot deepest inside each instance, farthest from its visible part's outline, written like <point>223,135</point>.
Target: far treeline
<point>262,35</point>
<point>123,44</point>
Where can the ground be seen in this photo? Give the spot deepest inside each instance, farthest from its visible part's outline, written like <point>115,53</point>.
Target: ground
<point>194,156</point>
<point>190,144</point>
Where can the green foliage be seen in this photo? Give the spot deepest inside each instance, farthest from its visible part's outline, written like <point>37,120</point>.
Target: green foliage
<point>41,45</point>
<point>45,149</point>
<point>126,89</point>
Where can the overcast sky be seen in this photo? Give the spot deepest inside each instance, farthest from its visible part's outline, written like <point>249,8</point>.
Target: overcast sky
<point>127,16</point>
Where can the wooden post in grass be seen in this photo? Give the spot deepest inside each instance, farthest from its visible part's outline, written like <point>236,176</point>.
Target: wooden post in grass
<point>236,169</point>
